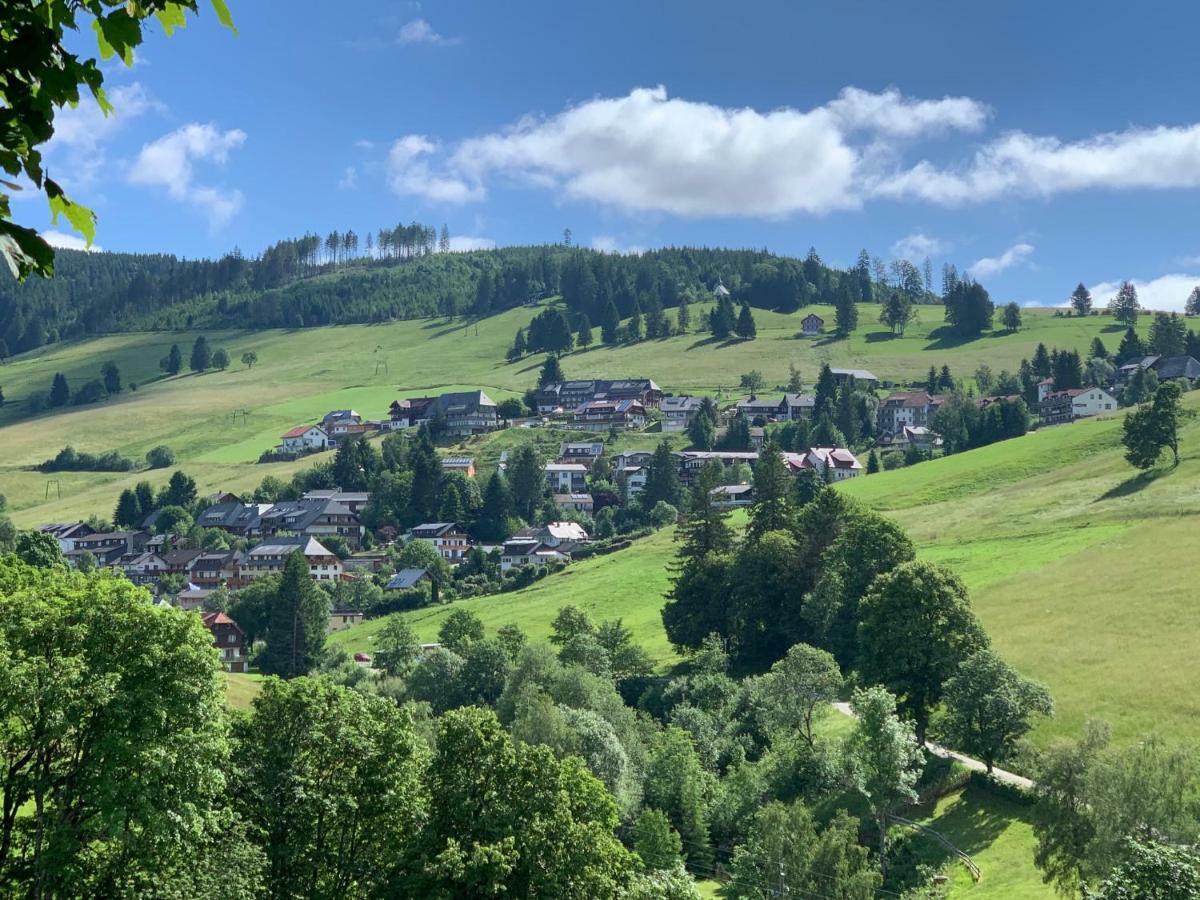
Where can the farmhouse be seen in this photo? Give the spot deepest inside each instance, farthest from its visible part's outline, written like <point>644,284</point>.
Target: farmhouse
<point>812,324</point>
<point>228,638</point>
<point>678,412</point>
<point>305,439</point>
<point>210,570</point>
<point>755,408</point>
<point>791,407</point>
<point>408,412</point>
<point>1057,407</point>
<point>234,517</point>
<point>343,418</point>
<point>1165,367</point>
<point>67,534</point>
<point>564,395</point>
<point>145,568</point>
<point>465,413</point>
<point>406,579</point>
<point>451,542</point>
<point>692,461</point>
<point>464,465</point>
<point>554,541</point>
<point>1092,402</point>
<point>855,376</point>
<point>313,517</point>
<point>108,547</point>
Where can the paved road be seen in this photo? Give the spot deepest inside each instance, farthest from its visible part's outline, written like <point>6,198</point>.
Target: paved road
<point>970,762</point>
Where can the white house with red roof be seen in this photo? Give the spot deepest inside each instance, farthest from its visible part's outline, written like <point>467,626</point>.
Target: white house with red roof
<point>831,463</point>
<point>304,438</point>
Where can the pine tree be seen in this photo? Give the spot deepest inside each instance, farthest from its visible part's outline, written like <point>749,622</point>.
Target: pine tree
<point>635,323</point>
<point>931,381</point>
<point>551,371</point>
<point>1098,350</point>
<point>60,391</point>
<point>296,621</point>
<point>1131,347</point>
<point>771,509</point>
<point>497,510</point>
<point>746,328</point>
<point>172,362</point>
<point>443,243</point>
<point>662,478</point>
<point>201,356</point>
<point>128,512</point>
<point>845,311</point>
<point>1081,300</point>
<point>1124,306</point>
<point>825,392</point>
<point>112,377</point>
<point>721,320</point>
<point>1190,308</point>
<point>519,346</point>
<point>1041,362</point>
<point>706,528</point>
<point>872,462</point>
<point>684,314</point>
<point>945,380</point>
<point>610,323</point>
<point>584,338</point>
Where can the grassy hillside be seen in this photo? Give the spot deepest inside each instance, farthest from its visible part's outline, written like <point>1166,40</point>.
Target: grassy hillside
<point>1080,570</point>
<point>305,372</point>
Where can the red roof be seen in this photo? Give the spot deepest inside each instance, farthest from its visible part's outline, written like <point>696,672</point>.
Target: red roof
<point>216,618</point>
<point>298,431</point>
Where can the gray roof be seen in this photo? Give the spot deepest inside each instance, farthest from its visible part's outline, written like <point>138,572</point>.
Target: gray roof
<point>1178,367</point>
<point>405,579</point>
<point>683,403</point>
<point>859,374</point>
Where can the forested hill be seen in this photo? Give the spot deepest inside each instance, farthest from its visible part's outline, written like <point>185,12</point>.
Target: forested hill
<point>406,274</point>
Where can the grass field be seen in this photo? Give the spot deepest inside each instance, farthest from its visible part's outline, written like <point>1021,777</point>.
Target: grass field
<point>304,373</point>
<point>241,688</point>
<point>1080,570</point>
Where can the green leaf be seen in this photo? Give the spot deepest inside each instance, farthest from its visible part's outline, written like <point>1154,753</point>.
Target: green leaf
<point>25,252</point>
<point>80,217</point>
<point>119,32</point>
<point>223,15</point>
<point>171,17</point>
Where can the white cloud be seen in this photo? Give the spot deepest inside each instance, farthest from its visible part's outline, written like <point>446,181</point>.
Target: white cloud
<point>917,246</point>
<point>364,144</point>
<point>994,265</point>
<point>419,31</point>
<point>349,179</point>
<point>1167,292</point>
<point>65,241</point>
<point>647,152</point>
<point>1026,164</point>
<point>409,173</point>
<point>891,113</point>
<point>463,243</point>
<point>608,244</point>
<point>168,162</point>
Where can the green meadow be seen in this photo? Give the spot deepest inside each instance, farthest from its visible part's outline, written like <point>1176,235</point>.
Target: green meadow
<point>303,373</point>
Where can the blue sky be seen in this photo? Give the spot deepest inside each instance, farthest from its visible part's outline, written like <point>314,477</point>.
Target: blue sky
<point>1036,144</point>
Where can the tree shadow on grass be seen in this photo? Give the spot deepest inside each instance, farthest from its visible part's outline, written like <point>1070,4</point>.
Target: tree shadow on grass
<point>874,337</point>
<point>1136,483</point>
<point>945,339</point>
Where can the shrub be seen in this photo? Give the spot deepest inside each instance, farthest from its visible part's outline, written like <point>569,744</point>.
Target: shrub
<point>68,460</point>
<point>160,457</point>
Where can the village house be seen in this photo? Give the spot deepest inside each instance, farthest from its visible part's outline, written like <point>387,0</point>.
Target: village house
<point>567,395</point>
<point>1092,401</point>
<point>342,617</point>
<point>464,465</point>
<point>633,478</point>
<point>331,420</point>
<point>235,517</point>
<point>210,570</point>
<point>554,541</point>
<point>179,562</point>
<point>229,639</point>
<point>607,415</point>
<point>627,458</point>
<point>1165,367</point>
<point>270,557</point>
<point>1057,407</point>
<point>451,542</point>
<point>692,461</point>
<point>732,496</point>
<point>811,325</point>
<point>465,413</point>
<point>191,598</point>
<point>108,547</point>
<point>916,436</point>
<point>367,561</point>
<point>789,408</point>
<point>305,439</point>
<point>831,463</point>
<point>583,452</point>
<point>145,568</point>
<point>566,478</point>
<point>67,533</point>
<point>678,412</point>
<point>758,437</point>
<point>408,412</point>
<point>577,502</point>
<point>859,377</point>
<point>406,579</point>
<point>901,408</point>
<point>319,515</point>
